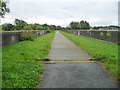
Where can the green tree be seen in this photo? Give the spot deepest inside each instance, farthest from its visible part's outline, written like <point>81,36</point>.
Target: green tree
<point>19,24</point>
<point>32,26</point>
<point>27,27</point>
<point>38,27</point>
<point>52,27</point>
<point>3,8</point>
<point>74,25</point>
<point>67,28</point>
<point>8,27</point>
<point>59,28</point>
<point>45,26</point>
<point>84,25</point>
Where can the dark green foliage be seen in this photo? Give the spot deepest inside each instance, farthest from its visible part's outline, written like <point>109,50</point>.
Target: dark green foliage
<point>74,25</point>
<point>3,8</point>
<point>45,26</point>
<point>19,24</point>
<point>27,27</point>
<point>52,27</point>
<point>22,25</point>
<point>81,25</point>
<point>8,27</point>
<point>113,27</point>
<point>84,25</point>
<point>59,28</point>
<point>38,27</point>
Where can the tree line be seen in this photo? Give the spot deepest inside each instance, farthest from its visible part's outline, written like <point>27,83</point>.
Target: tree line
<point>79,25</point>
<point>82,25</point>
<point>22,25</point>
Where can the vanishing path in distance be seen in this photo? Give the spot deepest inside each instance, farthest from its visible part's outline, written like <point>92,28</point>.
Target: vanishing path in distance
<point>64,49</point>
<point>70,68</point>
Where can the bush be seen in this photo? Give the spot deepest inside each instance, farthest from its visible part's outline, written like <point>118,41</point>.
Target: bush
<point>26,35</point>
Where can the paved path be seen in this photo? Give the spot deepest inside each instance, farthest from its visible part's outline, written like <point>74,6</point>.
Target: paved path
<point>73,74</point>
<point>76,75</point>
<point>64,49</point>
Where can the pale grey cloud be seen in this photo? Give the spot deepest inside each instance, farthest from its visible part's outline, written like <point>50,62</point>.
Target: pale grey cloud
<point>64,0</point>
<point>61,12</point>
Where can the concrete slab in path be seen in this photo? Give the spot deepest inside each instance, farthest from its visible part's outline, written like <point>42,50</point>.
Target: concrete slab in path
<point>64,49</point>
<point>76,75</point>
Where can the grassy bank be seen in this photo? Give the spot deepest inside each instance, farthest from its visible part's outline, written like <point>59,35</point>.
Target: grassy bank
<point>22,62</point>
<point>103,51</point>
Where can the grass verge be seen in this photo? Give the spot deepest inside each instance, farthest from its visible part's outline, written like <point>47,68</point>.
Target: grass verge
<point>103,51</point>
<point>22,62</point>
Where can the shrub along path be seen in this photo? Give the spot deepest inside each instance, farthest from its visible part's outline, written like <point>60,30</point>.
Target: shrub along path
<point>70,68</point>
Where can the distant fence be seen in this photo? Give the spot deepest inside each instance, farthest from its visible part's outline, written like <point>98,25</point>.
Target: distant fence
<point>10,37</point>
<point>107,35</point>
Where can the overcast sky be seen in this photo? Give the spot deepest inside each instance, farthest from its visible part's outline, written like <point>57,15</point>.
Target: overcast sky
<point>62,12</point>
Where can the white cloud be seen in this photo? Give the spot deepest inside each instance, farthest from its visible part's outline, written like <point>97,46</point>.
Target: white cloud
<point>114,22</point>
<point>94,20</point>
<point>64,0</point>
<point>63,13</point>
<point>43,20</point>
<point>64,22</point>
<point>8,19</point>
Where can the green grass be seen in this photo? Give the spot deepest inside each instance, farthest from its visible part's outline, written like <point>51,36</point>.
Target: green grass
<point>22,63</point>
<point>0,67</point>
<point>103,51</point>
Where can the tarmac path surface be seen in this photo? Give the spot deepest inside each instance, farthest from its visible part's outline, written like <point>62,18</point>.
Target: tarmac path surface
<point>64,49</point>
<point>78,73</point>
